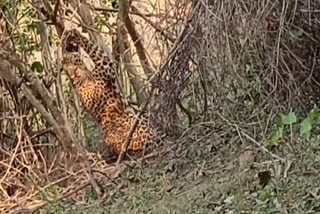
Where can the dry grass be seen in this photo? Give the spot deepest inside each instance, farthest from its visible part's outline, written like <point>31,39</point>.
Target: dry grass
<point>30,179</point>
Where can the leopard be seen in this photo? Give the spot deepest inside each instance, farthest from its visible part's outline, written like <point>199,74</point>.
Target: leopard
<point>100,95</point>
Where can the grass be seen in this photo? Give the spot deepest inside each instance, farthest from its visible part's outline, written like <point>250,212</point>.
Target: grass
<point>217,175</point>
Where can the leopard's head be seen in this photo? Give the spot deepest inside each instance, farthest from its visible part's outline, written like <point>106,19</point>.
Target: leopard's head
<point>74,68</point>
<point>72,40</point>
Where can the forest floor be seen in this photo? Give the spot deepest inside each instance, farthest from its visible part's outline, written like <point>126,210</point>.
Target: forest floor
<point>215,171</point>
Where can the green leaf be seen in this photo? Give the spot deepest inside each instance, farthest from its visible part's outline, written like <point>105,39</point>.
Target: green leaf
<point>305,128</point>
<point>37,67</point>
<point>296,34</point>
<point>265,194</point>
<point>276,136</point>
<point>307,124</point>
<point>289,119</point>
<point>314,115</point>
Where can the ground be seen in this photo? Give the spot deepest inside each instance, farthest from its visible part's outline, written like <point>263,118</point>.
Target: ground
<point>212,171</point>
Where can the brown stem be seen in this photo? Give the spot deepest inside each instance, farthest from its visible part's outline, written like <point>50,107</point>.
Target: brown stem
<point>132,129</point>
<point>126,56</point>
<point>124,13</point>
<point>51,14</point>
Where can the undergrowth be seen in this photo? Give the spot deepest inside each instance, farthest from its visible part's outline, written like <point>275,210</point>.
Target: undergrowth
<point>239,94</point>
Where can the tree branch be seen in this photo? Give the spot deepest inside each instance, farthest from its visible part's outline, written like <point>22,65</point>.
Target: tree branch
<point>124,14</point>
<point>83,10</point>
<point>162,31</point>
<point>36,89</point>
<point>126,56</point>
<point>51,14</point>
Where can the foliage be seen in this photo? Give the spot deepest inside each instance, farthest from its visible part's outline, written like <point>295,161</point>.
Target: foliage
<point>266,203</point>
<point>306,125</point>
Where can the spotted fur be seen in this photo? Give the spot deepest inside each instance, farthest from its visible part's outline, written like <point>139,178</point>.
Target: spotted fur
<point>100,96</point>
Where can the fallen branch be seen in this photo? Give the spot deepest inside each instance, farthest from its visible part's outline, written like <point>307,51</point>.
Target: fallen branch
<point>132,129</point>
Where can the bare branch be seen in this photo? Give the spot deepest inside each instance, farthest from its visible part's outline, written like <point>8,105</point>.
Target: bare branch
<point>133,127</point>
<point>124,14</point>
<point>51,14</point>
<point>38,89</point>
<point>154,25</point>
<point>126,56</point>
<point>84,10</point>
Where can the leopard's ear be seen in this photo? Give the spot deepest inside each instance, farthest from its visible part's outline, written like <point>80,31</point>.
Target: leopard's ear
<point>71,40</point>
<point>75,33</point>
<point>72,46</point>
